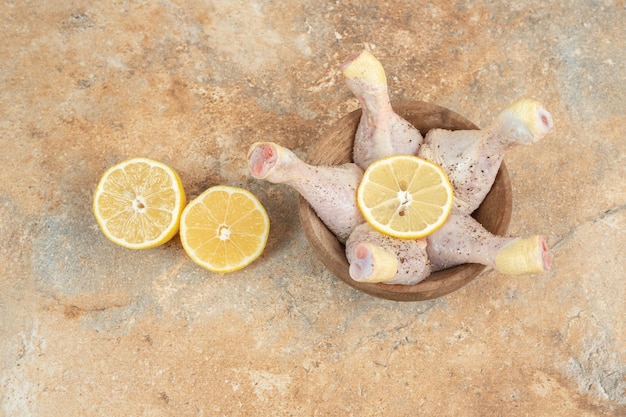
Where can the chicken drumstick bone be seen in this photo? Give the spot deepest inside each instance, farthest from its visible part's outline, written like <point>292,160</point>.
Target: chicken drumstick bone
<point>381,132</point>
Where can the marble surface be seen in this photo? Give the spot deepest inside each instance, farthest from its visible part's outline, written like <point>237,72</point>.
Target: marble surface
<point>91,329</point>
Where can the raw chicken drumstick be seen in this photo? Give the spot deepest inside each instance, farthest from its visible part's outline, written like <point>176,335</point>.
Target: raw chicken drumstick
<point>375,257</point>
<point>463,240</point>
<point>381,132</point>
<point>471,158</point>
<point>330,190</point>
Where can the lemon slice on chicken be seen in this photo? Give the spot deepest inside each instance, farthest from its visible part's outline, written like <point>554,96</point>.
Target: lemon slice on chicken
<point>405,196</point>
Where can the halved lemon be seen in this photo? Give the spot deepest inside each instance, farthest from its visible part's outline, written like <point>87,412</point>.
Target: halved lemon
<point>138,203</point>
<point>224,229</point>
<point>405,196</point>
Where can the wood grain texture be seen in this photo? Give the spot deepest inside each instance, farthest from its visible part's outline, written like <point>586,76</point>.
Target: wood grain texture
<point>335,147</point>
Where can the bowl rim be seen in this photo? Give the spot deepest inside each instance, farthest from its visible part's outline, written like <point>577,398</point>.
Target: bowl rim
<point>422,115</point>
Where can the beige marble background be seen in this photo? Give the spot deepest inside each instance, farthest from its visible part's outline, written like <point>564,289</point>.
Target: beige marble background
<point>91,329</point>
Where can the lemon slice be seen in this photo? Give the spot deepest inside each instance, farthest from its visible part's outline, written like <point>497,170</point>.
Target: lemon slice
<point>138,203</point>
<point>224,229</point>
<point>405,196</point>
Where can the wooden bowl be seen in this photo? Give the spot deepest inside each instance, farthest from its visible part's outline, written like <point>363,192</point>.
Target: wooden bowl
<point>336,148</point>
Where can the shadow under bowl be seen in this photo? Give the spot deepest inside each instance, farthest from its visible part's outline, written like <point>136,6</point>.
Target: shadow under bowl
<point>335,148</point>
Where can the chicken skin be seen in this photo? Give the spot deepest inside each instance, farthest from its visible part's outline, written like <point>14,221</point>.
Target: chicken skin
<point>471,158</point>
<point>375,257</point>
